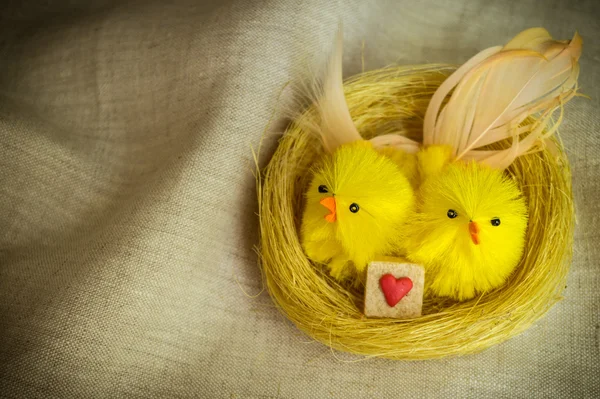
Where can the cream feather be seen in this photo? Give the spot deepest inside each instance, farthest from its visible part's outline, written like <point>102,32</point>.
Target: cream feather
<point>496,90</point>
<point>396,141</point>
<point>336,126</point>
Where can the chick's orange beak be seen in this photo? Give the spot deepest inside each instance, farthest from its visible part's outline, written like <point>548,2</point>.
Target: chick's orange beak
<point>474,231</point>
<point>329,203</point>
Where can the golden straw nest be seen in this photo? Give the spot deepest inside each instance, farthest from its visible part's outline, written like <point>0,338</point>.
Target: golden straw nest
<point>387,101</point>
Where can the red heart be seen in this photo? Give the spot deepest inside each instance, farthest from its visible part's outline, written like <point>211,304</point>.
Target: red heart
<point>394,289</point>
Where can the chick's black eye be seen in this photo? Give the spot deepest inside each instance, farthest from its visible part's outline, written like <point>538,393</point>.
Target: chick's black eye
<point>495,222</point>
<point>323,189</point>
<point>354,208</point>
<point>452,213</point>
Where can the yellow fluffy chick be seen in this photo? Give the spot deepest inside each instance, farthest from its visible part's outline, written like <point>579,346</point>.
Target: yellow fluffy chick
<point>356,206</point>
<point>469,232</point>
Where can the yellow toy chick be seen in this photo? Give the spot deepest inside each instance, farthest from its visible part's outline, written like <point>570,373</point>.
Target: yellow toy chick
<point>361,195</point>
<point>357,203</point>
<point>470,227</point>
<point>469,232</point>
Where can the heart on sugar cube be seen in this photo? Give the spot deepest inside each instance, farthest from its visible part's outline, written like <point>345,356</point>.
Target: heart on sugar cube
<point>394,288</point>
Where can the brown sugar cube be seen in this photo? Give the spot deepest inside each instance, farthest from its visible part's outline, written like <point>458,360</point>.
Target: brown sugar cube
<point>387,285</point>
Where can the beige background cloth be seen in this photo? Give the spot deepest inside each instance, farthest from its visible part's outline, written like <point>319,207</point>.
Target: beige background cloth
<point>127,201</point>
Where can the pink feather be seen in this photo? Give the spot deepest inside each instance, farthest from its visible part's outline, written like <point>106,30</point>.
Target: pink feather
<point>496,90</point>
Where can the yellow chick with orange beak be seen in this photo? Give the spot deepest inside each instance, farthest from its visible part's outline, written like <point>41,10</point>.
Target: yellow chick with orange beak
<point>470,228</point>
<point>469,231</point>
<point>357,205</point>
<point>360,196</point>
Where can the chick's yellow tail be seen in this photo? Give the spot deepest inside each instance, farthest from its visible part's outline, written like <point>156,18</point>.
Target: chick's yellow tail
<point>407,163</point>
<point>432,160</point>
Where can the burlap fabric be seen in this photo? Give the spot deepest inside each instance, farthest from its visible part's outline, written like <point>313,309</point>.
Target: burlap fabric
<point>127,201</point>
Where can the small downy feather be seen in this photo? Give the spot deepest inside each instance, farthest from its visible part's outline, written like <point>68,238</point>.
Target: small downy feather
<point>496,90</point>
<point>395,141</point>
